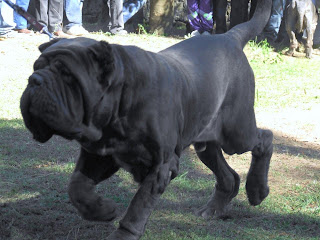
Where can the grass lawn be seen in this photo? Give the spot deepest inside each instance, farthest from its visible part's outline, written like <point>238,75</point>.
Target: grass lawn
<point>33,177</point>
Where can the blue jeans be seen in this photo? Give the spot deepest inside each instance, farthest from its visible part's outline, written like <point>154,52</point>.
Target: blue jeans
<point>73,10</point>
<point>131,7</point>
<point>6,15</point>
<point>2,22</point>
<point>273,25</point>
<point>21,22</point>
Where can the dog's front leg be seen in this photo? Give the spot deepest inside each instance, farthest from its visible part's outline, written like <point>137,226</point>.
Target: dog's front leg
<point>90,170</point>
<point>133,224</point>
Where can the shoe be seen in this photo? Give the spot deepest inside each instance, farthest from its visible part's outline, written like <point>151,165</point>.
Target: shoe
<point>60,34</point>
<point>206,33</point>
<point>24,30</point>
<point>6,26</point>
<point>5,31</point>
<point>195,33</point>
<point>119,32</point>
<point>7,34</point>
<point>77,30</point>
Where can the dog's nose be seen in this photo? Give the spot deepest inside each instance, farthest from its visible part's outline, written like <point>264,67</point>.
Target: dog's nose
<point>35,79</point>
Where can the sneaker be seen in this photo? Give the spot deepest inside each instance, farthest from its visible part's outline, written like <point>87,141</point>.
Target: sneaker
<point>118,32</point>
<point>7,34</point>
<point>77,30</point>
<point>195,33</point>
<point>6,26</point>
<point>206,33</point>
<point>6,31</point>
<point>25,31</point>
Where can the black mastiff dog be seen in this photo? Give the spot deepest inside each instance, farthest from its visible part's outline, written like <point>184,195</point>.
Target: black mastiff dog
<point>138,110</point>
<point>301,15</point>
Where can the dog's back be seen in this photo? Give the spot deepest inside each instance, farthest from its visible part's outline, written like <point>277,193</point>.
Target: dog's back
<point>216,72</point>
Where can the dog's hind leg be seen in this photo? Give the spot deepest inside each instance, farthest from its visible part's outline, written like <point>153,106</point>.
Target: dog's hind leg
<point>257,179</point>
<point>293,44</point>
<point>311,27</point>
<point>90,170</point>
<point>227,185</point>
<point>290,27</point>
<point>309,44</point>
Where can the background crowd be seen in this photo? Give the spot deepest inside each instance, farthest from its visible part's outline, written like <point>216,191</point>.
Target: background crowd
<point>62,17</point>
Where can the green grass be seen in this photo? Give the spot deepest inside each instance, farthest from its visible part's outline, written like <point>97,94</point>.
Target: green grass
<point>281,81</point>
<point>33,177</point>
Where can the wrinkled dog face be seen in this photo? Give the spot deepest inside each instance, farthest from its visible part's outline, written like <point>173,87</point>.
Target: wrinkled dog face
<point>56,98</point>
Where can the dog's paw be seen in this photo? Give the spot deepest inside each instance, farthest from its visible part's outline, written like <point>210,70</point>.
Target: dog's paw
<point>104,210</point>
<point>121,234</point>
<point>309,53</point>
<point>290,53</point>
<point>255,193</point>
<point>208,212</point>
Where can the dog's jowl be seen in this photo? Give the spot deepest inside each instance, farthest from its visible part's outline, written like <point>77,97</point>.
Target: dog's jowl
<point>125,115</point>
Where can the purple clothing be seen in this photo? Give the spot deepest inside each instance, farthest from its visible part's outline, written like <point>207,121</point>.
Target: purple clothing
<point>200,15</point>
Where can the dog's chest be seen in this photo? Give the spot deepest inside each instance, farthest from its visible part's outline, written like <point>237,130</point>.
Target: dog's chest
<point>130,153</point>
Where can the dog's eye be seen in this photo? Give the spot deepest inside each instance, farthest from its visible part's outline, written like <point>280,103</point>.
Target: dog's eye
<point>64,71</point>
<point>68,78</point>
<point>60,67</point>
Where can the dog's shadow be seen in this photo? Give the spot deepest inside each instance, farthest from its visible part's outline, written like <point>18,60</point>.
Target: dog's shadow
<point>34,203</point>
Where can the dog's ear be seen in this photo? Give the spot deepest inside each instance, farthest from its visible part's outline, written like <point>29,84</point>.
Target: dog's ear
<point>102,53</point>
<point>44,46</point>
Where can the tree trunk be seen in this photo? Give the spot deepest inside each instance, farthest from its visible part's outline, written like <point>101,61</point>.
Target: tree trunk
<point>161,16</point>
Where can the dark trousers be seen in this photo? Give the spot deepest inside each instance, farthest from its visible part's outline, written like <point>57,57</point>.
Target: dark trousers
<point>50,13</point>
<point>116,15</point>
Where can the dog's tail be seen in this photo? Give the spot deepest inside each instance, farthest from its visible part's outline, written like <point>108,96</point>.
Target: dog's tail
<point>248,30</point>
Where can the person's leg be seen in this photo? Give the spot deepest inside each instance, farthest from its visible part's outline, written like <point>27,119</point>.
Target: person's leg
<point>20,21</point>
<point>2,22</point>
<point>272,28</point>
<point>7,13</point>
<point>219,14</point>
<point>55,15</point>
<point>73,13</point>
<point>205,10</point>
<point>5,28</point>
<point>194,18</point>
<point>239,12</point>
<point>117,24</point>
<point>73,10</point>
<point>41,7</point>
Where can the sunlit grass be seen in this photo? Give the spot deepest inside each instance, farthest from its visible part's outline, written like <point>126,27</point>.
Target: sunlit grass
<point>14,196</point>
<point>282,81</point>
